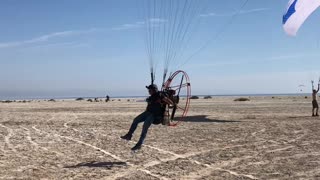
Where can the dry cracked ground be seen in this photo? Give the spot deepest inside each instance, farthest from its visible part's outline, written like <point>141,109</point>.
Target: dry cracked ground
<point>265,138</point>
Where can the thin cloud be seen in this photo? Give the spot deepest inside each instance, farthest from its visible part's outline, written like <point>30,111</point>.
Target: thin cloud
<point>61,34</point>
<point>59,45</point>
<point>153,22</point>
<point>47,37</point>
<point>50,45</point>
<point>128,26</point>
<point>234,13</point>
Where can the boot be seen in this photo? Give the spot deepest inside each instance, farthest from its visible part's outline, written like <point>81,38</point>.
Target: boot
<point>136,147</point>
<point>126,137</point>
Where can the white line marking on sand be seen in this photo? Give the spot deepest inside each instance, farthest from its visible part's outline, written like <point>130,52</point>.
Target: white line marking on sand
<point>154,163</point>
<point>151,174</point>
<point>86,144</point>
<point>37,130</point>
<point>67,126</point>
<point>133,167</point>
<point>237,174</point>
<point>175,157</point>
<point>219,166</point>
<point>89,145</point>
<point>30,139</point>
<point>164,151</point>
<point>37,146</point>
<point>254,133</point>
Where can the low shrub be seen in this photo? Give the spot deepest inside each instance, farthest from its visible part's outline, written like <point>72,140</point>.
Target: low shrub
<point>194,97</point>
<point>207,97</point>
<point>242,99</point>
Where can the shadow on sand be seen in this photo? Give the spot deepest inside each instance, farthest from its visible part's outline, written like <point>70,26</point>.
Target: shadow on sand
<point>299,117</point>
<point>204,119</point>
<point>94,164</point>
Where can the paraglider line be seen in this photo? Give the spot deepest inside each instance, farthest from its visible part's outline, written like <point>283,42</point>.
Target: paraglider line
<point>214,38</point>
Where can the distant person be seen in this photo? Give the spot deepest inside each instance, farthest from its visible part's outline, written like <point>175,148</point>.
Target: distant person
<point>107,98</point>
<point>315,105</point>
<point>154,114</point>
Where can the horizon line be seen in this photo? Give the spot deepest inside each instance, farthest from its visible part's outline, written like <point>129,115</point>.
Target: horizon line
<point>143,96</point>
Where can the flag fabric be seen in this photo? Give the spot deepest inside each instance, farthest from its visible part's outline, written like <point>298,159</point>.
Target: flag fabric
<point>297,12</point>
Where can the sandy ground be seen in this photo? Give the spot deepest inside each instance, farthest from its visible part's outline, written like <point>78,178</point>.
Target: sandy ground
<point>266,138</point>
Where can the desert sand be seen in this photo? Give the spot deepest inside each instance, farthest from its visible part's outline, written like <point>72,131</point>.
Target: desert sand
<point>265,138</point>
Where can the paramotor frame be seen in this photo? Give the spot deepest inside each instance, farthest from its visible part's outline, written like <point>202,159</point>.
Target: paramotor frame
<point>178,89</point>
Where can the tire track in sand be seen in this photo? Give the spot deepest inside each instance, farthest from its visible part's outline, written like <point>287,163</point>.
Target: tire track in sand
<point>66,123</point>
<point>219,167</point>
<point>142,168</point>
<point>7,138</point>
<point>99,149</point>
<point>108,153</point>
<point>133,168</point>
<point>80,142</point>
<point>2,147</point>
<point>37,146</point>
<point>174,158</point>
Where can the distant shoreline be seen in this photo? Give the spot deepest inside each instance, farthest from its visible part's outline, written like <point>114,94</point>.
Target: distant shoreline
<point>135,97</point>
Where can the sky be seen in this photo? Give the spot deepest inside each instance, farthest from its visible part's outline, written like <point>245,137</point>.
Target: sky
<point>91,48</point>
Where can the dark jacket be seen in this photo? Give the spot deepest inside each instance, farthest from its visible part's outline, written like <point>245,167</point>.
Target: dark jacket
<point>156,107</point>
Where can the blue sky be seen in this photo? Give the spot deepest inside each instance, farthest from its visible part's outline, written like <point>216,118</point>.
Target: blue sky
<point>93,48</point>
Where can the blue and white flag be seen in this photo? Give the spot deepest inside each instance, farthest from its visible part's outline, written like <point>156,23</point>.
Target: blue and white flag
<point>297,12</point>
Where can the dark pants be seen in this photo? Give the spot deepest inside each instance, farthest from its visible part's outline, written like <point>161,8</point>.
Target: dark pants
<point>145,117</point>
<point>315,104</point>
